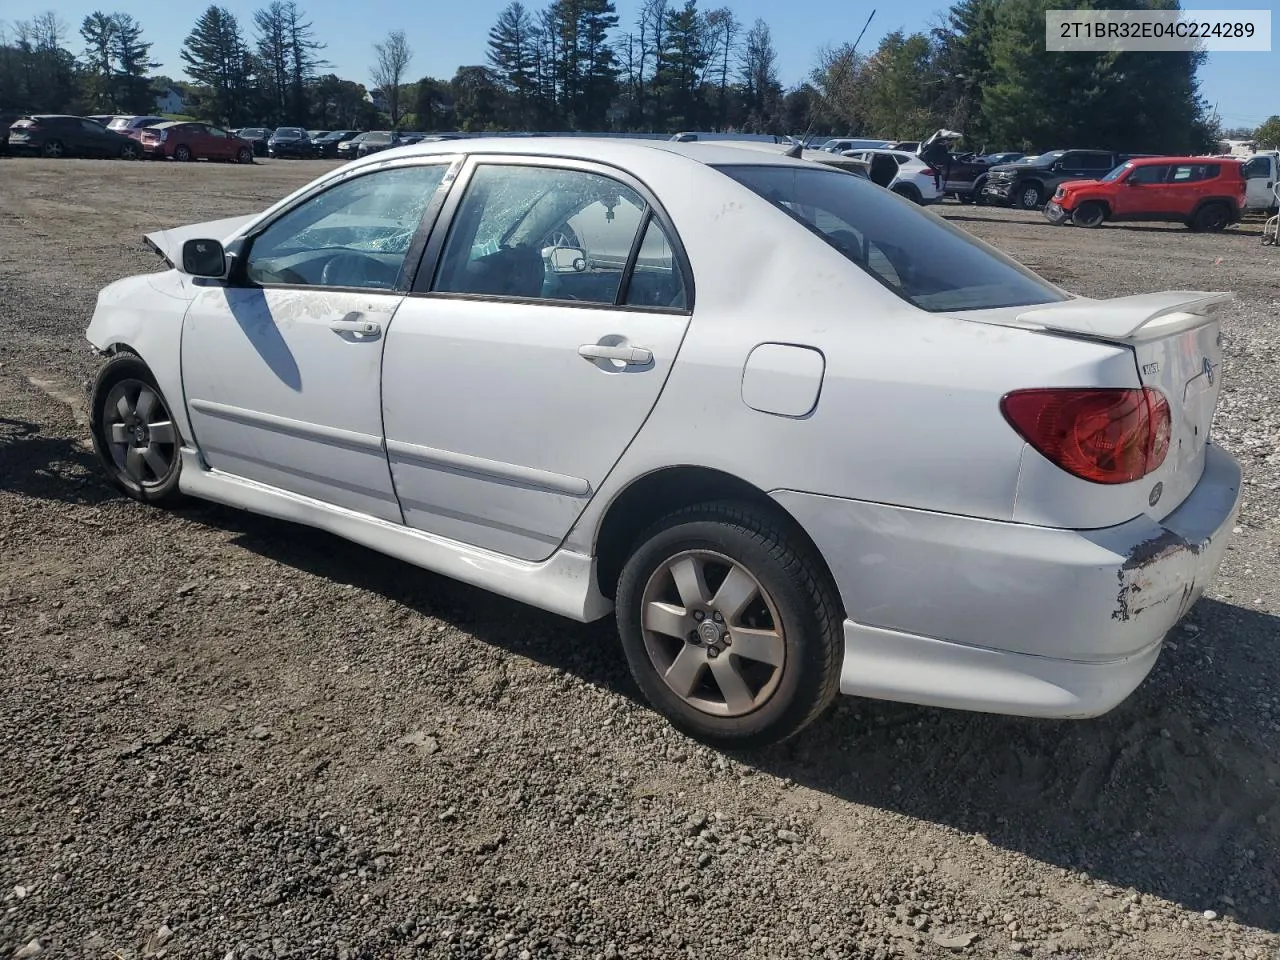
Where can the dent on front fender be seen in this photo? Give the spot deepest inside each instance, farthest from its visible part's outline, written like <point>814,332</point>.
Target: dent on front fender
<point>144,314</point>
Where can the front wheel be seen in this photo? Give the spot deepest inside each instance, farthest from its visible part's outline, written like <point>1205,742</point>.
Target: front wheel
<point>730,626</point>
<point>1030,196</point>
<point>1089,215</point>
<point>133,432</point>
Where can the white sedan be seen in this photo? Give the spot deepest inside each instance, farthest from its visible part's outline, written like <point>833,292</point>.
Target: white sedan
<point>802,438</point>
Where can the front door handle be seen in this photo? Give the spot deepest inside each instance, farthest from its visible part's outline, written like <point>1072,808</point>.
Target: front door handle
<point>633,356</point>
<point>352,323</point>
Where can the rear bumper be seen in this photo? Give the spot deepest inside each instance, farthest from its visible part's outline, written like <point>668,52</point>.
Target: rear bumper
<point>1012,618</point>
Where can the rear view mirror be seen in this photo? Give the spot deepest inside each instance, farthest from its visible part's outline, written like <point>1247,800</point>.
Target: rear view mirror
<point>566,259</point>
<point>204,258</point>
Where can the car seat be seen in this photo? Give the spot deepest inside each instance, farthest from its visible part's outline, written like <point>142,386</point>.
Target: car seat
<point>510,272</point>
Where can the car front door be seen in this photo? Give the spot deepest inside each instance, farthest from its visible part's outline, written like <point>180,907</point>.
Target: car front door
<point>220,146</point>
<point>281,363</point>
<point>1142,192</point>
<point>537,339</point>
<point>1260,180</point>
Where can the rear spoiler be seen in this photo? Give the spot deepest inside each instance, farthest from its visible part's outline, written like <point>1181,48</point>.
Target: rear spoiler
<point>1145,316</point>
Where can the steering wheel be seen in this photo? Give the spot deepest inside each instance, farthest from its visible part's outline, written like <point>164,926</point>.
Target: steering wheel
<point>350,270</point>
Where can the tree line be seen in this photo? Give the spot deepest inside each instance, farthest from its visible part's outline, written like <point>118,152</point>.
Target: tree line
<point>676,65</point>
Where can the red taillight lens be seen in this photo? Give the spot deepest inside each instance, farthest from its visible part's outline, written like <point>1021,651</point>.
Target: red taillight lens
<point>1101,435</point>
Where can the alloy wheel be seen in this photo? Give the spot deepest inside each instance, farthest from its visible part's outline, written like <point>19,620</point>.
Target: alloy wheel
<point>713,633</point>
<point>139,432</point>
<point>53,149</point>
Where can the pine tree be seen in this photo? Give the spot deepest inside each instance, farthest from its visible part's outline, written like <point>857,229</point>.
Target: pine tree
<point>272,48</point>
<point>98,31</point>
<point>133,65</point>
<point>513,56</point>
<point>216,56</point>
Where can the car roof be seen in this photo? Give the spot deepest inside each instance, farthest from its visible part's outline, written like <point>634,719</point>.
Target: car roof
<point>1148,161</point>
<point>628,154</point>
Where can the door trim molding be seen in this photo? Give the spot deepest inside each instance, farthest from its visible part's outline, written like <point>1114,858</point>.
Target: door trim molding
<point>334,436</point>
<point>494,470</point>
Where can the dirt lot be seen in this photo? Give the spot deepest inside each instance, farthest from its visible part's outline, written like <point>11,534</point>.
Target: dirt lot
<point>227,737</point>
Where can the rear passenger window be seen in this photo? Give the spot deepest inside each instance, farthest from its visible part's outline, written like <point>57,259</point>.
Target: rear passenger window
<point>656,280</point>
<point>1193,172</point>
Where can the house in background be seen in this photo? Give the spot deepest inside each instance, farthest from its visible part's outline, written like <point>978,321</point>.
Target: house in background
<point>171,101</point>
<point>378,99</point>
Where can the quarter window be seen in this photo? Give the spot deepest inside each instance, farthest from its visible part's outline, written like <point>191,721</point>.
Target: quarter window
<point>541,233</point>
<point>656,279</point>
<point>355,234</point>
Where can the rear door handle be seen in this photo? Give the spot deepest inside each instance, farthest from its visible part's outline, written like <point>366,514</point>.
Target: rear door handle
<point>637,356</point>
<point>352,324</point>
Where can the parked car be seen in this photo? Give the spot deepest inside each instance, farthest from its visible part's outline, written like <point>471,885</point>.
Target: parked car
<point>327,145</point>
<point>1014,530</point>
<point>1030,183</point>
<point>910,176</point>
<point>991,159</point>
<point>132,126</point>
<point>374,141</point>
<point>314,134</point>
<point>841,144</point>
<point>58,135</point>
<point>907,146</point>
<point>350,149</point>
<point>258,137</point>
<point>290,142</point>
<point>102,118</point>
<point>1262,172</point>
<point>183,141</point>
<point>1204,193</point>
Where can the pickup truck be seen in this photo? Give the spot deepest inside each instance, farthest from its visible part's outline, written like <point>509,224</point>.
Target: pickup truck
<point>1262,171</point>
<point>1030,182</point>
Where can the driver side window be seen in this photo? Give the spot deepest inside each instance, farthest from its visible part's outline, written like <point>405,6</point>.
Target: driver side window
<point>355,234</point>
<point>540,233</point>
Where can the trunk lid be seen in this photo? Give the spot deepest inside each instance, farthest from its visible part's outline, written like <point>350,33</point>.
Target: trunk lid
<point>1177,349</point>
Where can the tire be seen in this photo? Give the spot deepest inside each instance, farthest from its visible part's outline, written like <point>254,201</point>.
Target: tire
<point>129,152</point>
<point>910,192</point>
<point>1089,214</point>
<point>53,149</point>
<point>782,594</point>
<point>136,439</point>
<point>182,153</point>
<point>1030,196</point>
<point>1211,218</point>
<point>244,155</point>
<point>966,198</point>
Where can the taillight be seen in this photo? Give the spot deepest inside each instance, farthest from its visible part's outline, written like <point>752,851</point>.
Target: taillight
<point>1102,435</point>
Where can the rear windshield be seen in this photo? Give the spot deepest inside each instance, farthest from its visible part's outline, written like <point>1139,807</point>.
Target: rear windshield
<point>920,257</point>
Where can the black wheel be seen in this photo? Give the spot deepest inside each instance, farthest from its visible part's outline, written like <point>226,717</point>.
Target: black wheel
<point>1211,218</point>
<point>966,198</point>
<point>54,149</point>
<point>909,191</point>
<point>245,155</point>
<point>1089,214</point>
<point>1030,196</point>
<point>182,153</point>
<point>730,626</point>
<point>129,152</point>
<point>133,433</point>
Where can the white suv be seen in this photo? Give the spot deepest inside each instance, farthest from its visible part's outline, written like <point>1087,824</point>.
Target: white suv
<point>914,179</point>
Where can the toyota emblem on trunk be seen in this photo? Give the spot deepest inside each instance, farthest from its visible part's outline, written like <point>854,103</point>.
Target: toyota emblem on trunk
<point>1208,371</point>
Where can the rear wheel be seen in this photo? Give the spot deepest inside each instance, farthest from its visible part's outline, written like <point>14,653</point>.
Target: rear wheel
<point>1089,215</point>
<point>1030,196</point>
<point>1211,218</point>
<point>910,191</point>
<point>133,432</point>
<point>244,155</point>
<point>182,153</point>
<point>54,149</point>
<point>730,626</point>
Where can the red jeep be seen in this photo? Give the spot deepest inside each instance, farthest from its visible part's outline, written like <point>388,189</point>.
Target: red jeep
<point>1205,193</point>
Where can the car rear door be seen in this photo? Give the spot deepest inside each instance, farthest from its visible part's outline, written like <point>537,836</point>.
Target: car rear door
<point>537,338</point>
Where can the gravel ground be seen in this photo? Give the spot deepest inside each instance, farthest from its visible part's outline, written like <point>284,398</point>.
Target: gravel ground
<point>223,736</point>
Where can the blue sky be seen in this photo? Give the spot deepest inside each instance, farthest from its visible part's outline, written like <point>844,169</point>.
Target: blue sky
<point>446,35</point>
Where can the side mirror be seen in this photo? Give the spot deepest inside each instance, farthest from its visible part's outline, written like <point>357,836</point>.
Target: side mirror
<point>566,259</point>
<point>204,258</point>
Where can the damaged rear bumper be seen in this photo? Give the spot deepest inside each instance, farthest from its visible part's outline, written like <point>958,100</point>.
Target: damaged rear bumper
<point>1011,618</point>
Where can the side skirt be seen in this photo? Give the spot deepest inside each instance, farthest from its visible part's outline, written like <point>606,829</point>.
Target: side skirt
<point>565,584</point>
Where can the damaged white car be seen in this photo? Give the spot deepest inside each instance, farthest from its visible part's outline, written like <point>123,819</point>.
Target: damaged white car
<point>800,436</point>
